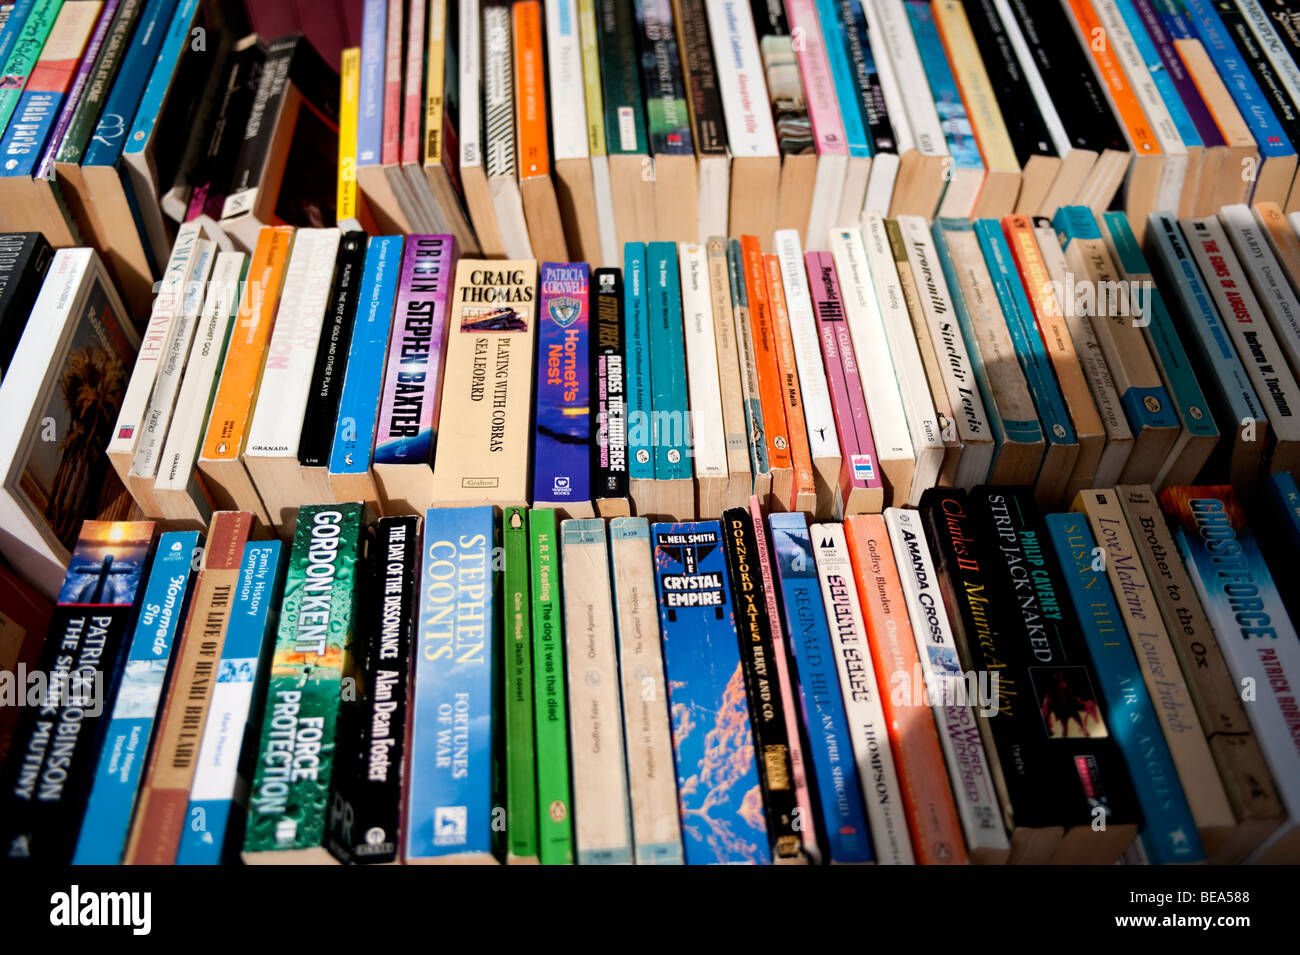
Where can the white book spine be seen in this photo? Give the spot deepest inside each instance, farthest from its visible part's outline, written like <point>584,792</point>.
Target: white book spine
<point>605,210</point>
<point>470,67</point>
<point>189,418</point>
<point>1285,68</point>
<point>709,440</point>
<point>917,102</point>
<point>963,748</point>
<point>741,83</point>
<point>823,439</point>
<point>889,86</point>
<point>867,331</point>
<point>153,343</point>
<point>1034,79</point>
<point>291,352</point>
<point>880,185</point>
<point>1266,276</point>
<point>157,420</point>
<point>564,65</point>
<point>868,729</point>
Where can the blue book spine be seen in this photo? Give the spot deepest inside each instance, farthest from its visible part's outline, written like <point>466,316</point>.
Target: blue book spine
<point>1171,357</point>
<point>1077,223</point>
<point>13,26</point>
<point>370,109</point>
<point>1270,138</point>
<point>1021,324</point>
<point>1286,500</point>
<point>453,722</point>
<point>706,696</point>
<point>1168,831</point>
<point>636,311</point>
<point>562,419</point>
<point>821,704</point>
<point>234,714</point>
<point>670,411</point>
<point>107,821</point>
<point>160,79</point>
<point>1159,75</point>
<point>354,431</point>
<point>120,108</point>
<point>957,129</point>
<point>1235,393</point>
<point>1003,429</point>
<point>34,117</point>
<point>846,87</point>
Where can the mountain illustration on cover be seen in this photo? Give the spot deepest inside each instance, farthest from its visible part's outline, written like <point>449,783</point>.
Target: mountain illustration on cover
<point>719,795</point>
<point>498,320</point>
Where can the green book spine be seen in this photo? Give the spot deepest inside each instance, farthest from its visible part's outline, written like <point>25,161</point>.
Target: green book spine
<point>625,119</point>
<point>521,770</point>
<point>555,824</point>
<point>27,50</point>
<point>295,756</point>
<point>86,116</point>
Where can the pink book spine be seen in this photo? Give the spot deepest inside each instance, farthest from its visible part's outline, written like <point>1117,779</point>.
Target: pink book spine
<point>393,86</point>
<point>818,85</point>
<point>413,101</point>
<point>847,403</point>
<point>803,797</point>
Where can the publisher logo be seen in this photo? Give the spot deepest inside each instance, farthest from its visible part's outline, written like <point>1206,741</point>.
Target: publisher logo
<point>449,825</point>
<point>76,908</point>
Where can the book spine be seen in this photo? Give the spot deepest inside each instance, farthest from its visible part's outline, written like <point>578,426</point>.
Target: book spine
<point>76,90</point>
<point>214,178</point>
<point>530,90</point>
<point>847,93</point>
<point>608,377</point>
<point>26,51</point>
<point>345,200</point>
<point>670,410</point>
<point>1271,285</point>
<point>1279,84</point>
<point>667,117</point>
<point>13,25</point>
<point>819,85</point>
<point>602,819</point>
<point>107,821</point>
<point>803,486</point>
<point>562,466</point>
<point>766,696</point>
<point>174,45</point>
<point>517,659</point>
<point>450,797</point>
<point>706,434</point>
<point>899,45</point>
<point>636,362</point>
<point>412,92</point>
<point>1171,63</point>
<point>566,79</point>
<point>24,262</point>
<point>295,753</point>
<point>703,98</point>
<point>767,370</point>
<point>750,130</point>
<point>370,117</point>
<point>362,391</point>
<point>1111,75</point>
<point>625,114</point>
<point>431,149</point>
<point>706,694</point>
<point>592,79</point>
<point>551,725</point>
<point>975,87</point>
<point>217,798</point>
<point>875,109</point>
<point>759,464</point>
<point>656,827</point>
<point>269,90</point>
<point>730,379</point>
<point>391,142</point>
<point>959,135</point>
<point>411,400</point>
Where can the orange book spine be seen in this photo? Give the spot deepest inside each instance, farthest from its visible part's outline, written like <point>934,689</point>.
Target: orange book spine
<point>1127,108</point>
<point>931,813</point>
<point>242,371</point>
<point>530,90</point>
<point>766,363</point>
<point>805,486</point>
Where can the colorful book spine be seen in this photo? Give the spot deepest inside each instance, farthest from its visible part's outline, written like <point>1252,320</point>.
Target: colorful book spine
<point>295,753</point>
<point>670,410</point>
<point>106,31</point>
<point>846,837</point>
<point>953,118</point>
<point>776,433</point>
<point>667,119</point>
<point>70,146</point>
<point>803,490</point>
<point>517,659</point>
<point>706,693</point>
<point>370,116</point>
<point>636,362</point>
<point>26,51</point>
<point>759,464</point>
<point>562,466</point>
<point>833,30</point>
<point>107,821</point>
<point>608,379</point>
<point>551,724</point>
<point>451,776</point>
<point>346,210</point>
<point>13,26</point>
<point>215,815</point>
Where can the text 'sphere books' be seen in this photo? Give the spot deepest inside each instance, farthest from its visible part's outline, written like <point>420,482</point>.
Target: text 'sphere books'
<point>562,460</point>
<point>486,388</point>
<point>932,819</point>
<point>868,730</point>
<point>949,691</point>
<point>519,765</point>
<point>608,397</point>
<point>764,691</point>
<point>46,786</point>
<point>1160,670</point>
<point>366,805</point>
<point>656,825</point>
<point>602,824</point>
<point>295,769</point>
<point>1168,833</point>
<point>352,445</point>
<point>114,793</point>
<point>450,797</point>
<point>551,725</point>
<point>706,696</point>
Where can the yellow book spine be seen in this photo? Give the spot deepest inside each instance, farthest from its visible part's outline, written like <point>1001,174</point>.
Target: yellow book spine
<point>435,82</point>
<point>976,88</point>
<point>591,77</point>
<point>349,94</point>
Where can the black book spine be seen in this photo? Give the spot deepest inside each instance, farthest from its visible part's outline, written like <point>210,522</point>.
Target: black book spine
<point>609,463</point>
<point>1060,682</point>
<point>24,259</point>
<point>1020,112</point>
<point>857,37</point>
<point>268,94</point>
<point>331,354</point>
<point>766,708</point>
<point>218,165</point>
<point>1261,68</point>
<point>708,123</point>
<point>365,814</point>
<point>1089,121</point>
<point>1285,17</point>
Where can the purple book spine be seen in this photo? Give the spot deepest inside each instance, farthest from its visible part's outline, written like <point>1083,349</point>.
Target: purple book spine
<point>857,447</point>
<point>562,429</point>
<point>417,351</point>
<point>78,88</point>
<point>1193,102</point>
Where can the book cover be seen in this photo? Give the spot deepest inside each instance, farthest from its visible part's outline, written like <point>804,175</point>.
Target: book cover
<point>562,466</point>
